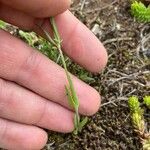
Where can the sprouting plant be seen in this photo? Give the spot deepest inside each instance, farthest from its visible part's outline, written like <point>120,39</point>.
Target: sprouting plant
<point>134,104</point>
<point>146,145</point>
<point>136,114</point>
<point>140,11</point>
<point>30,38</point>
<point>2,24</point>
<point>56,41</point>
<point>138,121</point>
<point>147,101</point>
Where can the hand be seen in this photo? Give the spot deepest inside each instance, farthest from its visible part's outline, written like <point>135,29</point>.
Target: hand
<point>32,93</point>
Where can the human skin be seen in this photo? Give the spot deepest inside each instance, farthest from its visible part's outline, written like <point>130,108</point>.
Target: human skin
<point>32,93</point>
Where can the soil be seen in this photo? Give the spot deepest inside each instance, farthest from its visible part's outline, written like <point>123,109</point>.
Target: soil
<point>127,73</point>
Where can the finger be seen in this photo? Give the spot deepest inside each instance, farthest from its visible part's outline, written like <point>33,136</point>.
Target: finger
<point>24,137</point>
<point>20,105</point>
<point>38,8</point>
<point>78,42</point>
<point>28,67</point>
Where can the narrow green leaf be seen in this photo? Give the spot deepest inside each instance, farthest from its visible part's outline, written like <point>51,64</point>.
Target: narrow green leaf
<point>55,30</point>
<point>70,90</point>
<point>49,38</point>
<point>73,93</point>
<point>83,123</point>
<point>70,99</point>
<point>75,124</point>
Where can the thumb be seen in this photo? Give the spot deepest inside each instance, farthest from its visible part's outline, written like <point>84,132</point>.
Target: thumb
<point>39,8</point>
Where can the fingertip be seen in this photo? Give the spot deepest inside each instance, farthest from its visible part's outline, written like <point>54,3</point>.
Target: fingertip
<point>38,139</point>
<point>102,59</point>
<point>66,123</point>
<point>69,129</point>
<point>80,43</point>
<point>90,102</point>
<point>43,138</point>
<point>94,101</point>
<point>68,3</point>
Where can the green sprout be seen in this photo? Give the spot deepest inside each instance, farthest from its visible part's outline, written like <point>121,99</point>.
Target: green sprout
<point>146,144</point>
<point>70,90</point>
<point>134,104</point>
<point>138,120</point>
<point>2,24</point>
<point>140,11</point>
<point>30,38</point>
<point>136,114</point>
<point>147,101</point>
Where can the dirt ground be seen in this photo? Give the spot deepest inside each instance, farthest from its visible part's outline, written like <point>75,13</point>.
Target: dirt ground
<point>126,74</point>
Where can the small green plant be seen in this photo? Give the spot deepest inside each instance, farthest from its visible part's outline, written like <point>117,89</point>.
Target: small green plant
<point>140,11</point>
<point>29,37</point>
<point>56,41</point>
<point>2,24</point>
<point>138,121</point>
<point>147,101</point>
<point>39,43</point>
<point>146,145</point>
<point>136,114</point>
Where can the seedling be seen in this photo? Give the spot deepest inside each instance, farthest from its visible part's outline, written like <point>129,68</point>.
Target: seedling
<point>136,115</point>
<point>147,101</point>
<point>30,38</point>
<point>140,11</point>
<point>2,24</point>
<point>56,41</point>
<point>138,121</point>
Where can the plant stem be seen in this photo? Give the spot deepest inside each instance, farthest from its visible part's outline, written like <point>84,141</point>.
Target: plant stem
<point>70,90</point>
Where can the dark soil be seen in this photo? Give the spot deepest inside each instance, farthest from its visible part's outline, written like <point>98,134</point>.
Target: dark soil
<point>126,74</point>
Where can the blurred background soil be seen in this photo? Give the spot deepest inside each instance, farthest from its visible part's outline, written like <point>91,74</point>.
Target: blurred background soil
<point>127,73</point>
